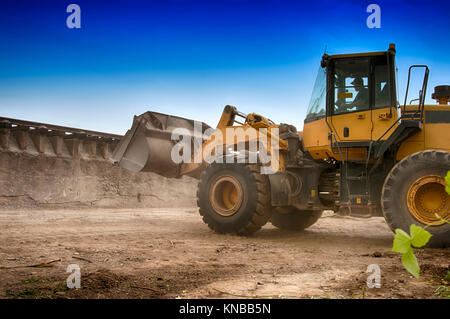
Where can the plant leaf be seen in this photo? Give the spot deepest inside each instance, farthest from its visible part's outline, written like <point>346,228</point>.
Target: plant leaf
<point>419,236</point>
<point>402,241</point>
<point>447,181</point>
<point>409,261</point>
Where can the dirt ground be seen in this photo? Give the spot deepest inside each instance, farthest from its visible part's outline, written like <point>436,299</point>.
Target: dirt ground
<point>170,253</point>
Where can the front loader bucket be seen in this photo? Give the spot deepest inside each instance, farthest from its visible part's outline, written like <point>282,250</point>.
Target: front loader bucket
<point>147,146</point>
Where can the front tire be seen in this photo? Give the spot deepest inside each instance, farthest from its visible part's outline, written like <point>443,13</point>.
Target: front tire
<point>414,191</point>
<point>234,198</point>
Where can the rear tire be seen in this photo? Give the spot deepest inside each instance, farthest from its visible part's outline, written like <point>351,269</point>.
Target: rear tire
<point>413,191</point>
<point>295,220</point>
<point>234,198</point>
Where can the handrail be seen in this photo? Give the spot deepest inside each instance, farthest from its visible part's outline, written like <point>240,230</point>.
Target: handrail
<point>422,92</point>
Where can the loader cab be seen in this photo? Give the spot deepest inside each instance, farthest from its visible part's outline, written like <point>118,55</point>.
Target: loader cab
<point>354,101</point>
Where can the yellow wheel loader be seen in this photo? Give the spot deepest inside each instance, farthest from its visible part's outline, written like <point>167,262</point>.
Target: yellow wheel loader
<point>360,153</point>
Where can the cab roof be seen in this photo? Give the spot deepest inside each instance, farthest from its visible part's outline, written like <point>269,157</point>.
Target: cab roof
<point>327,57</point>
<point>355,55</point>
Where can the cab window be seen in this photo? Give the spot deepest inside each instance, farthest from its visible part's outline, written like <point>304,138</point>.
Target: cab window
<point>351,85</point>
<point>317,103</point>
<point>381,85</point>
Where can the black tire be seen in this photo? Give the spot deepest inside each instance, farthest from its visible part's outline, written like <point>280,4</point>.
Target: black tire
<point>295,220</point>
<point>395,192</point>
<point>255,209</point>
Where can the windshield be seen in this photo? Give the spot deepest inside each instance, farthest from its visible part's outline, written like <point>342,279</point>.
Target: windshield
<point>317,104</point>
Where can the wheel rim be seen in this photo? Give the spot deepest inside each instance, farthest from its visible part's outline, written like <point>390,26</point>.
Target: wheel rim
<point>226,195</point>
<point>427,197</point>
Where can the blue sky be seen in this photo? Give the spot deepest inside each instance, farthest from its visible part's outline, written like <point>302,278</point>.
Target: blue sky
<point>190,58</point>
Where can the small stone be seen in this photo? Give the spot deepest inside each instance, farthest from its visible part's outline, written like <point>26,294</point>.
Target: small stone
<point>377,254</point>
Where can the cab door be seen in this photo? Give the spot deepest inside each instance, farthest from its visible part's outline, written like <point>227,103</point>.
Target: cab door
<point>384,111</point>
<point>350,117</point>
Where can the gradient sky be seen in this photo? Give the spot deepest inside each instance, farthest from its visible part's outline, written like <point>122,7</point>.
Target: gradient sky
<point>190,58</point>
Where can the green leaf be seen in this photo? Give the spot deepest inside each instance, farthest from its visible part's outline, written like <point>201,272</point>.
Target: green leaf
<point>447,181</point>
<point>419,236</point>
<point>402,241</point>
<point>409,261</point>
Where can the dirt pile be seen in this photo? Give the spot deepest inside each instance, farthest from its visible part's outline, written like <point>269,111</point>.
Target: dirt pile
<point>42,181</point>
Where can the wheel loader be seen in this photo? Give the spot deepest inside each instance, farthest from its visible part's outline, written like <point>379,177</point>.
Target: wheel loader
<point>361,153</point>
